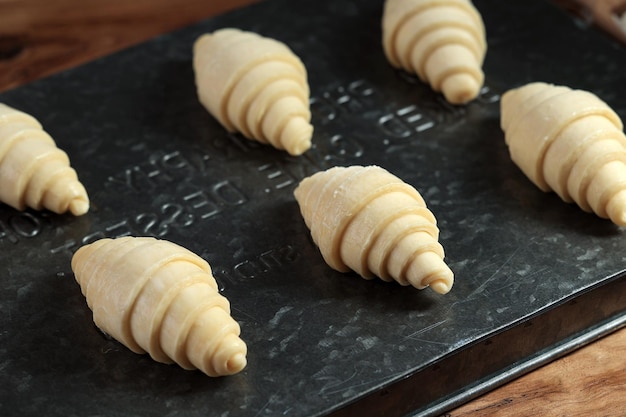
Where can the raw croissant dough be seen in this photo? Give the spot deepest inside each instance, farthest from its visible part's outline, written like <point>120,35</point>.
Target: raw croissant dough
<point>570,142</point>
<point>34,172</point>
<point>367,220</point>
<point>443,42</point>
<point>157,297</point>
<point>254,85</point>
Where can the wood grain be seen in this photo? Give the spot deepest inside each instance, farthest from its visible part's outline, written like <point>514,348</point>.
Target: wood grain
<point>41,37</point>
<point>588,382</point>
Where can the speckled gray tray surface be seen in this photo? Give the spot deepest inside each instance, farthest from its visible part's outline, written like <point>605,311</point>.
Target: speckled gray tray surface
<point>531,271</point>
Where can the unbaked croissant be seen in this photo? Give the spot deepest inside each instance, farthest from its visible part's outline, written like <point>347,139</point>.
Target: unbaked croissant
<point>367,220</point>
<point>254,85</point>
<point>34,172</point>
<point>155,296</point>
<point>443,42</point>
<point>570,142</point>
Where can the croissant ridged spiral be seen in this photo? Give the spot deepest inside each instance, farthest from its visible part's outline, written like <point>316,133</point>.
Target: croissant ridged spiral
<point>570,142</point>
<point>442,41</point>
<point>34,172</point>
<point>155,296</point>
<point>254,85</point>
<point>367,220</point>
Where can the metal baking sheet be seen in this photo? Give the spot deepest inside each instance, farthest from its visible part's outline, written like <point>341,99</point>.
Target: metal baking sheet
<point>535,277</point>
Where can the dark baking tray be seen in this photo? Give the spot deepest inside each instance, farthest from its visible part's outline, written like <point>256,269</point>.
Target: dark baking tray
<point>535,277</point>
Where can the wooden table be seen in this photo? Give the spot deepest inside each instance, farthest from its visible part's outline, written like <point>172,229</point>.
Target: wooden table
<point>41,37</point>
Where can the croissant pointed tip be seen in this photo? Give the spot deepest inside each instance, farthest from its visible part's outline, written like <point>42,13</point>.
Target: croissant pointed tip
<point>429,270</point>
<point>440,286</point>
<point>296,137</point>
<point>79,206</point>
<point>460,88</point>
<point>616,208</point>
<point>236,363</point>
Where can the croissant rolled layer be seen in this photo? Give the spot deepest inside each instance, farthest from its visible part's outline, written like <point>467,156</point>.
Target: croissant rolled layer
<point>367,220</point>
<point>256,86</point>
<point>442,41</point>
<point>570,142</point>
<point>34,172</point>
<point>155,296</point>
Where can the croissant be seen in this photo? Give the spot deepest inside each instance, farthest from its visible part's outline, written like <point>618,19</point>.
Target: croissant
<point>34,172</point>
<point>443,42</point>
<point>254,85</point>
<point>367,220</point>
<point>157,297</point>
<point>570,142</point>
